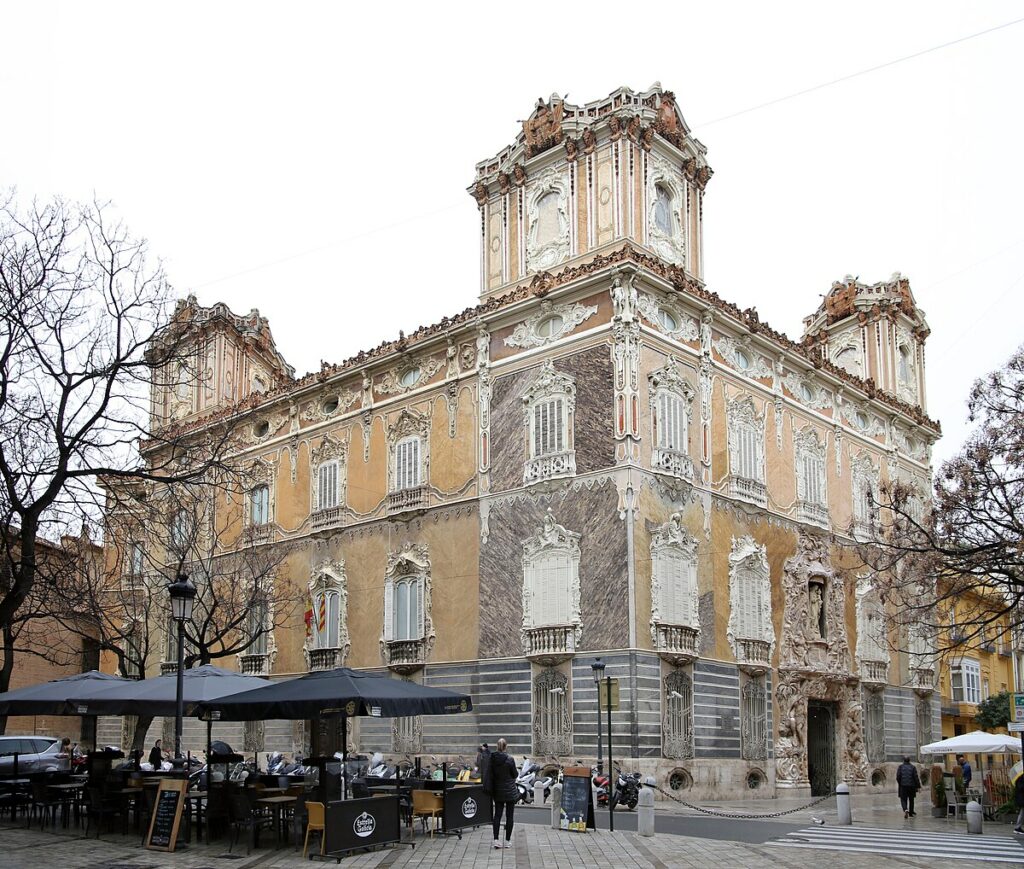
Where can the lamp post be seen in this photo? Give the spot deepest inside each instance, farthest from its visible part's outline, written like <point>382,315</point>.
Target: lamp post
<point>598,669</point>
<point>183,594</point>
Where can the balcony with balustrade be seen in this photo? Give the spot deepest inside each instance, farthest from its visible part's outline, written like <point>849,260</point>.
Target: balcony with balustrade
<point>550,644</point>
<point>415,498</point>
<point>253,664</point>
<point>753,656</point>
<point>259,534</point>
<point>922,678</point>
<point>405,656</point>
<point>330,517</point>
<point>746,489</point>
<point>676,644</point>
<point>552,466</point>
<point>673,463</point>
<point>874,672</point>
<point>326,659</point>
<point>813,513</point>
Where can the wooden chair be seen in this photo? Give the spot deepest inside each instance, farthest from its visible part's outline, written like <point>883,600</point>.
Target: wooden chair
<point>427,804</point>
<point>315,822</point>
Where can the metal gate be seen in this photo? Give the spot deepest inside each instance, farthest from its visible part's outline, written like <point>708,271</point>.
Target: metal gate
<point>821,747</point>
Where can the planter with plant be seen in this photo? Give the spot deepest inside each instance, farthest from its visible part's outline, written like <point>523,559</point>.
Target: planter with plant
<point>938,793</point>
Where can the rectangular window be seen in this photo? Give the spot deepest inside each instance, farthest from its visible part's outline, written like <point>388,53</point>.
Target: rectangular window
<point>327,486</point>
<point>325,614</point>
<point>749,467</point>
<point>137,560</point>
<point>677,575</point>
<point>965,681</point>
<point>259,505</point>
<point>814,479</point>
<point>548,427</point>
<point>407,609</point>
<point>549,589</point>
<point>258,628</point>
<point>407,464</point>
<point>754,719</point>
<point>671,422</point>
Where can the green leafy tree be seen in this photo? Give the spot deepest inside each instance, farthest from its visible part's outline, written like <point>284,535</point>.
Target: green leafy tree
<point>994,712</point>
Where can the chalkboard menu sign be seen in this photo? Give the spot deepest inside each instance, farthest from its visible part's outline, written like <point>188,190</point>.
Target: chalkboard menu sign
<point>163,827</point>
<point>577,811</point>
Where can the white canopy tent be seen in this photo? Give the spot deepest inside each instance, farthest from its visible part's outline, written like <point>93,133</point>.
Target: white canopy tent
<point>975,742</point>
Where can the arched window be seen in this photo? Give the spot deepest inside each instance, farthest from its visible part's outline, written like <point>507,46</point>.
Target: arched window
<point>548,226</point>
<point>677,732</point>
<point>259,505</point>
<point>552,723</point>
<point>663,209</point>
<point>905,363</point>
<point>326,618</point>
<point>549,405</point>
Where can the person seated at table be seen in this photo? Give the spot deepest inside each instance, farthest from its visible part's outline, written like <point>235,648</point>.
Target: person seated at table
<point>156,756</point>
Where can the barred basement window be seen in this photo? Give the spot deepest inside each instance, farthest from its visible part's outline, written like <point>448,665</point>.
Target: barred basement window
<point>677,730</point>
<point>924,720</point>
<point>874,715</point>
<point>754,719</point>
<point>552,724</point>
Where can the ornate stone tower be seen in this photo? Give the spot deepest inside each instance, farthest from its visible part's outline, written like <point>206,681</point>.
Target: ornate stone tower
<point>579,179</point>
<point>876,332</point>
<point>224,359</point>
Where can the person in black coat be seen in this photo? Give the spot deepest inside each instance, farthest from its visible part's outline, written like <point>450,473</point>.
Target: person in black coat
<point>499,780</point>
<point>156,756</point>
<point>909,783</point>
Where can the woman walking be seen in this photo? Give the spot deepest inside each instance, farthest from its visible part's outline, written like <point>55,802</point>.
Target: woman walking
<point>503,790</point>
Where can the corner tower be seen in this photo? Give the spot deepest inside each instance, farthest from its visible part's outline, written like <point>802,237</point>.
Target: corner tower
<point>876,332</point>
<point>582,178</point>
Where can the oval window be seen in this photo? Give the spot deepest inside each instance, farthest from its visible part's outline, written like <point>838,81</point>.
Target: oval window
<point>410,377</point>
<point>742,359</point>
<point>806,393</point>
<point>330,405</point>
<point>668,320</point>
<point>261,429</point>
<point>550,327</point>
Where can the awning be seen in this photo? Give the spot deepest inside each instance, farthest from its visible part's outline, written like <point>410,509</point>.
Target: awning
<point>59,697</point>
<point>975,742</point>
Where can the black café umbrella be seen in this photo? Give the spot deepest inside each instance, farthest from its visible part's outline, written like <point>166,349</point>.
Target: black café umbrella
<point>341,691</point>
<point>157,696</point>
<point>59,697</point>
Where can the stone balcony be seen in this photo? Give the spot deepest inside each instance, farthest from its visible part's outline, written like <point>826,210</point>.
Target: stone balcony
<point>674,463</point>
<point>253,665</point>
<point>753,656</point>
<point>676,644</point>
<point>405,500</point>
<point>813,514</point>
<point>922,679</point>
<point>405,656</point>
<point>258,534</point>
<point>874,672</point>
<point>550,467</point>
<point>330,517</point>
<point>864,530</point>
<point>746,489</point>
<point>551,644</point>
<point>168,667</point>
<point>326,659</point>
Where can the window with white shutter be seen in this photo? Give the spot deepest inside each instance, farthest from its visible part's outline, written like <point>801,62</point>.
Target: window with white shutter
<point>326,618</point>
<point>327,486</point>
<point>677,578</point>
<point>549,584</point>
<point>813,469</point>
<point>406,608</point>
<point>407,463</point>
<point>749,466</point>
<point>259,505</point>
<point>549,427</point>
<point>670,422</point>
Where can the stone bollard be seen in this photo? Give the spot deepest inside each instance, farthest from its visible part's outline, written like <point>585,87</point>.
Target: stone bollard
<point>556,806</point>
<point>843,804</point>
<point>538,795</point>
<point>645,812</point>
<point>974,817</point>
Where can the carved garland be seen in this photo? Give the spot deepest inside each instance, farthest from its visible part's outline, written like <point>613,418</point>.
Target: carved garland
<point>391,382</point>
<point>729,349</point>
<point>820,398</point>
<point>651,309</point>
<point>550,382</point>
<point>526,334</point>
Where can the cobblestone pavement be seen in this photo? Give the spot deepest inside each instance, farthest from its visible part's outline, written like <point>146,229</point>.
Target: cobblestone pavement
<point>534,847</point>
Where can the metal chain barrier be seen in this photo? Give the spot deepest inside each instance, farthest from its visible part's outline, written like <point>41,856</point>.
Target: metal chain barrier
<point>737,815</point>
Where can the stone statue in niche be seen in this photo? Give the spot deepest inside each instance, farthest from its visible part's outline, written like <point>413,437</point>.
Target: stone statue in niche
<point>817,610</point>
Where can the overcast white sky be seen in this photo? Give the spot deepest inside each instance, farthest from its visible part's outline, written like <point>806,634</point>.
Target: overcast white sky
<point>311,159</point>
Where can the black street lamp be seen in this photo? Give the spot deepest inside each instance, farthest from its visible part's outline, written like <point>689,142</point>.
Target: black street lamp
<point>183,596</point>
<point>598,668</point>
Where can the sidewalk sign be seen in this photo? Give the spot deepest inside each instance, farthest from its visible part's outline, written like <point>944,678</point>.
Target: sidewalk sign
<point>163,826</point>
<point>577,811</point>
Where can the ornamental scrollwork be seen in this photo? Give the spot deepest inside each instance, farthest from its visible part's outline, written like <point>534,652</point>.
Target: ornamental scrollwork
<point>561,320</point>
<point>678,324</point>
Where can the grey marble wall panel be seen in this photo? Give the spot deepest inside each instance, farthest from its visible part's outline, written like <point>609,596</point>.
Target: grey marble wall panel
<point>590,512</point>
<point>716,710</point>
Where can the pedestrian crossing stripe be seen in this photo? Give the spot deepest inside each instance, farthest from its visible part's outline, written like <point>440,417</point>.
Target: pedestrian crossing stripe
<point>906,843</point>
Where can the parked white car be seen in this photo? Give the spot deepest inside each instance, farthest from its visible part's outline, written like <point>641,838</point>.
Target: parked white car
<point>35,754</point>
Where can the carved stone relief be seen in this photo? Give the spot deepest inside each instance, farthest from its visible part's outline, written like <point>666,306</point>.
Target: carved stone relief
<point>668,318</point>
<point>555,322</point>
<point>666,232</point>
<point>547,241</point>
<point>804,389</point>
<point>738,354</point>
<point>407,377</point>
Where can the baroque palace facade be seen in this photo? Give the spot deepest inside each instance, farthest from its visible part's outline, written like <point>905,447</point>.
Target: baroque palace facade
<point>601,458</point>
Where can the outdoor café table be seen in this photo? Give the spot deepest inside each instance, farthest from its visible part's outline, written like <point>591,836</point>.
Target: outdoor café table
<point>276,804</point>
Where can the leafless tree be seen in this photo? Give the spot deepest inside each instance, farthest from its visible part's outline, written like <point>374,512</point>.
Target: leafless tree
<point>955,567</point>
<point>85,329</point>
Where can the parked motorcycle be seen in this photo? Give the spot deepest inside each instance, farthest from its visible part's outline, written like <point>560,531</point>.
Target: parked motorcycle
<point>600,783</point>
<point>627,790</point>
